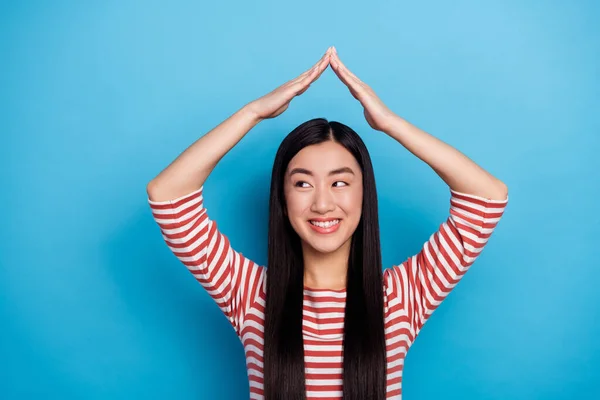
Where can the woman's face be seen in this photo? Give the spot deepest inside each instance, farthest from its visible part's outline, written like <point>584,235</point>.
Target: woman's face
<point>323,192</point>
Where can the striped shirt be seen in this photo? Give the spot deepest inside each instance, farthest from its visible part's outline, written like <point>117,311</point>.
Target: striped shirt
<point>412,290</point>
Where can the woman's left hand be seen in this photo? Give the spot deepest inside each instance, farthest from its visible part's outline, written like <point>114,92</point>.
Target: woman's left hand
<point>377,114</point>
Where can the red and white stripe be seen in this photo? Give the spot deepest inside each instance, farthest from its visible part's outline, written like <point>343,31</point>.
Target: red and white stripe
<point>412,290</point>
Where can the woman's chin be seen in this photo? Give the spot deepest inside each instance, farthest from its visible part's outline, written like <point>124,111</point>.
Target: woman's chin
<point>325,245</point>
<point>325,249</point>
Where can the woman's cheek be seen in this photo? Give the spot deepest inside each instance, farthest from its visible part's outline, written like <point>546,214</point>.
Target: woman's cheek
<point>351,203</point>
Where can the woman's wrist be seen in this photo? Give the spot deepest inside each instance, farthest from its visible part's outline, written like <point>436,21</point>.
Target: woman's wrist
<point>249,113</point>
<point>392,123</point>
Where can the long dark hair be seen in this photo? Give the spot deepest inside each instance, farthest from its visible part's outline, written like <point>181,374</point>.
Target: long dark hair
<point>364,366</point>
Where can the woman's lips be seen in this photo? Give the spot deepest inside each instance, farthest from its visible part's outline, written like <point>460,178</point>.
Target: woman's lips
<point>322,230</point>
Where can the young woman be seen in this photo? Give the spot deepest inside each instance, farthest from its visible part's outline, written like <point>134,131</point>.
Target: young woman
<point>323,321</point>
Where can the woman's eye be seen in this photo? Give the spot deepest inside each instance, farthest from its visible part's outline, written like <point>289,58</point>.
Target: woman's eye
<point>342,182</point>
<point>301,183</point>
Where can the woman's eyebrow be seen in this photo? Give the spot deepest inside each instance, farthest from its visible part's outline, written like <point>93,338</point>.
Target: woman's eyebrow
<point>333,172</point>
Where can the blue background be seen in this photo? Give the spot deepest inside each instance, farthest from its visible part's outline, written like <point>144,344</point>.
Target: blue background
<point>96,98</point>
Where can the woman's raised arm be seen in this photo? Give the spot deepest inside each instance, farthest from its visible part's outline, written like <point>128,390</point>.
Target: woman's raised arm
<point>190,169</point>
<point>177,201</point>
<point>477,203</point>
<point>459,172</point>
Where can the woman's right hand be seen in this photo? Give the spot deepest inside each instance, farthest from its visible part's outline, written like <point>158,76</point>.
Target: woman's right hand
<point>274,103</point>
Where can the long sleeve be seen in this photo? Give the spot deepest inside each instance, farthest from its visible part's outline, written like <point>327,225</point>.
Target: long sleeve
<point>422,282</point>
<point>231,279</point>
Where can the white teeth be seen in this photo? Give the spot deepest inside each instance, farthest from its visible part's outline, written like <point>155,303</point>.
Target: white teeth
<point>327,224</point>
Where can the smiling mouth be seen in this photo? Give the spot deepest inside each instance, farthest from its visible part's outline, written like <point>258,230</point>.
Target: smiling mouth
<point>325,226</point>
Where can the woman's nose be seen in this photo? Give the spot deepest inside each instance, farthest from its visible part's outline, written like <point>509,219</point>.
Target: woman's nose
<point>323,202</point>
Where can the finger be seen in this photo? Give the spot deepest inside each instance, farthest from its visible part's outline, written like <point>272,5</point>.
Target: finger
<point>300,86</point>
<point>317,69</point>
<point>321,67</point>
<point>342,74</point>
<point>298,78</point>
<point>343,67</point>
<point>355,85</point>
<point>318,66</point>
<point>355,88</point>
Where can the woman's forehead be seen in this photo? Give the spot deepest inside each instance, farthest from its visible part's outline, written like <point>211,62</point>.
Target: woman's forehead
<point>324,157</point>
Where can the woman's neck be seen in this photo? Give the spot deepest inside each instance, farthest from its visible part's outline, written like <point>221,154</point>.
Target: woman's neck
<point>326,270</point>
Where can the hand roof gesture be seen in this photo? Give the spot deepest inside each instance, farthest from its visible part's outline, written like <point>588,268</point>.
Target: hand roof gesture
<point>276,102</point>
